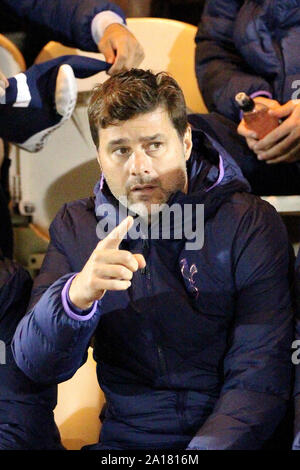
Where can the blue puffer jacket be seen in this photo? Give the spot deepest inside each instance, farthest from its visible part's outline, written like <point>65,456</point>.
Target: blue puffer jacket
<point>26,407</point>
<point>68,21</point>
<point>249,46</point>
<point>197,351</point>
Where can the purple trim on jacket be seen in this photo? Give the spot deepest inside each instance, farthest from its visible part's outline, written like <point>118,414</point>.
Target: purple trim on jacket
<point>71,310</point>
<point>221,174</point>
<point>101,182</point>
<point>261,93</point>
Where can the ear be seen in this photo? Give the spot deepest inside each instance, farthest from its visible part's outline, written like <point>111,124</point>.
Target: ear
<point>98,158</point>
<point>187,142</point>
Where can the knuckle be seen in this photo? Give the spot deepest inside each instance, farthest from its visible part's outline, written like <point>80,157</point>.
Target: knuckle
<point>93,283</point>
<point>96,259</point>
<point>293,134</point>
<point>250,144</point>
<point>127,257</point>
<point>290,125</point>
<point>114,285</point>
<point>122,272</point>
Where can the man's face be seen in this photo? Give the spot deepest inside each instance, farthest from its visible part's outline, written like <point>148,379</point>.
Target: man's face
<point>144,160</point>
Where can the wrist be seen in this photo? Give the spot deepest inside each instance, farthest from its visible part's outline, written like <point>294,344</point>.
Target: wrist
<point>75,295</point>
<point>102,21</point>
<point>114,27</point>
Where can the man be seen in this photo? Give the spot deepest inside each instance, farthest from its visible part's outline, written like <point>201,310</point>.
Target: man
<point>192,343</point>
<point>251,46</point>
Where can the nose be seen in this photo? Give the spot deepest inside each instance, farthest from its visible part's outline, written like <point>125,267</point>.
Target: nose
<point>140,163</point>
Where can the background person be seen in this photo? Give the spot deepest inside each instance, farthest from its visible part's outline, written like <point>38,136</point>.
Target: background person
<point>251,46</point>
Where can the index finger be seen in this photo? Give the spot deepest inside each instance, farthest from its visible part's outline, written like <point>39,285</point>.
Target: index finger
<point>284,110</point>
<point>273,137</point>
<point>121,60</point>
<point>114,238</point>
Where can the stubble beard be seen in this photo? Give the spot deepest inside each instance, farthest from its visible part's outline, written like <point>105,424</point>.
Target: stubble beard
<point>148,207</point>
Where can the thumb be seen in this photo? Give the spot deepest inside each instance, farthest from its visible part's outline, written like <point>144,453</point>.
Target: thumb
<point>107,50</point>
<point>114,238</point>
<point>284,110</point>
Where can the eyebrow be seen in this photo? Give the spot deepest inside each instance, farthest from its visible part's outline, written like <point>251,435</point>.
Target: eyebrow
<point>150,138</point>
<point>121,141</point>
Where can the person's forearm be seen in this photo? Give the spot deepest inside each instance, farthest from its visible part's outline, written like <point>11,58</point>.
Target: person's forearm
<point>242,420</point>
<point>220,77</point>
<point>66,21</point>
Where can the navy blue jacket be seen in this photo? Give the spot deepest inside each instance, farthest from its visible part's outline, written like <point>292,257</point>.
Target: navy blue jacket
<point>247,45</point>
<point>67,21</point>
<point>197,351</point>
<point>26,407</point>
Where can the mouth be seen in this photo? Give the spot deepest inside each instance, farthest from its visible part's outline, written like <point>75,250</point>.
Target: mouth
<point>143,188</point>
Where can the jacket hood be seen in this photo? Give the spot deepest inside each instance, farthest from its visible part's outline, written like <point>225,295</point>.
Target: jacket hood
<point>213,177</point>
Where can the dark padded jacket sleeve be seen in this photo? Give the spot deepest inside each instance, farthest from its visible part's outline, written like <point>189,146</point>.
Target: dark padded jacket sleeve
<point>221,70</point>
<point>48,345</point>
<point>257,365</point>
<point>67,21</point>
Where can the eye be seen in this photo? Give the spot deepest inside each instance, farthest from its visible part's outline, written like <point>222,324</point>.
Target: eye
<point>154,146</point>
<point>122,151</point>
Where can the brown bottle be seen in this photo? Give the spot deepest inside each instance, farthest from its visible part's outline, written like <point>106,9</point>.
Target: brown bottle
<point>256,115</point>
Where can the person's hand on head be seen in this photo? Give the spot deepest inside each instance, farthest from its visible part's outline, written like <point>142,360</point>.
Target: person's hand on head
<point>108,268</point>
<point>120,48</point>
<point>243,130</point>
<point>282,145</point>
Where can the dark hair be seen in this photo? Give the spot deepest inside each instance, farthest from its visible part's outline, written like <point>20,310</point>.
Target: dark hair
<point>127,94</point>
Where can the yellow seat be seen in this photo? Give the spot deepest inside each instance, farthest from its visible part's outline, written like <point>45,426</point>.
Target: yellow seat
<point>80,401</point>
<point>11,59</point>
